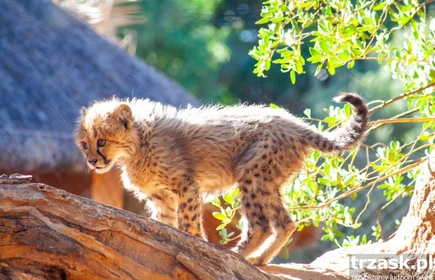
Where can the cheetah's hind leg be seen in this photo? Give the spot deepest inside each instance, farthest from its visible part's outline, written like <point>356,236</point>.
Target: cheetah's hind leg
<point>258,228</point>
<point>190,210</point>
<point>284,228</point>
<point>267,219</point>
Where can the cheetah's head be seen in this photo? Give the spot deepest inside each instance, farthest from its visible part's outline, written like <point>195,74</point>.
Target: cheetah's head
<point>104,133</point>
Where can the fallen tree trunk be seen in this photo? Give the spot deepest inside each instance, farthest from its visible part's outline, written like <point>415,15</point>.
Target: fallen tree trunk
<point>47,233</point>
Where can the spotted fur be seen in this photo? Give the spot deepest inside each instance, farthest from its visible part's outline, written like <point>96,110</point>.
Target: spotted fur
<point>172,158</point>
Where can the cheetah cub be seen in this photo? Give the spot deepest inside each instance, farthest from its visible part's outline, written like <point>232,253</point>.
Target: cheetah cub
<point>173,157</point>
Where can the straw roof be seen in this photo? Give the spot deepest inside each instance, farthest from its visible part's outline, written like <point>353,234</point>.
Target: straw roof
<point>52,65</point>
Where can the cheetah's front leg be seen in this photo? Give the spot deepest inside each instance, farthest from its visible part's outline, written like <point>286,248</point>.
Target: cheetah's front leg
<point>164,207</point>
<point>190,210</point>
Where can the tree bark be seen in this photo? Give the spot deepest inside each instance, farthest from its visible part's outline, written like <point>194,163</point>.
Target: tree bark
<point>47,233</point>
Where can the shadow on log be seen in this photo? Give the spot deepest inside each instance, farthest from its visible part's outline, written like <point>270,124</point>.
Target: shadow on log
<point>47,233</point>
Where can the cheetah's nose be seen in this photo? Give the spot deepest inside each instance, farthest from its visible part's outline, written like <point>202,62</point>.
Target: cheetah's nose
<point>93,161</point>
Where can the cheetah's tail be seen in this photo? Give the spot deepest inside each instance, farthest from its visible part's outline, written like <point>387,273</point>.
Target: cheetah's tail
<point>350,133</point>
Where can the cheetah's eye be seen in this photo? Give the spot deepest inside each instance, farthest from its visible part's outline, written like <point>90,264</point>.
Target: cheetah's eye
<point>101,142</point>
<point>85,145</point>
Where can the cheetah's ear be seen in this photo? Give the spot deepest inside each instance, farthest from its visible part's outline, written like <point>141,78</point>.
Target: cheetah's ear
<point>83,111</point>
<point>123,113</point>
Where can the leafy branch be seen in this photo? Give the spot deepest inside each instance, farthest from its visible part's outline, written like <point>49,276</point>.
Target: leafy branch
<point>339,33</point>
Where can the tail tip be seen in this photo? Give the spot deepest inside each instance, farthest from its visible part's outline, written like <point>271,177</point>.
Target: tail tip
<point>352,98</point>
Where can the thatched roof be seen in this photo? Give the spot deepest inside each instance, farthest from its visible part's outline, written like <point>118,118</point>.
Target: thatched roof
<point>51,65</point>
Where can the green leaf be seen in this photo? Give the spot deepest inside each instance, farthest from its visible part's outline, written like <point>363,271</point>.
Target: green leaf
<point>223,242</point>
<point>344,56</point>
<point>223,233</point>
<point>293,76</point>
<point>379,6</point>
<point>349,179</point>
<point>221,226</point>
<point>228,197</point>
<point>219,216</point>
<point>324,46</point>
<point>357,225</point>
<point>263,21</point>
<point>315,58</point>
<point>347,110</point>
<point>330,67</point>
<point>229,211</point>
<point>314,52</point>
<point>324,181</point>
<point>409,86</point>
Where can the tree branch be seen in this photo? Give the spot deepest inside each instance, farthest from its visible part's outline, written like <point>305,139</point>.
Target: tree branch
<point>402,96</point>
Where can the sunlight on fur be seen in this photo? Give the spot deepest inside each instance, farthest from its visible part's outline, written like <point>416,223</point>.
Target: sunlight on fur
<point>173,157</point>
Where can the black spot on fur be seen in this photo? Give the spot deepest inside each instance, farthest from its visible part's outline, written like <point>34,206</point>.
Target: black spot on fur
<point>264,192</point>
<point>359,120</point>
<point>356,129</point>
<point>259,206</point>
